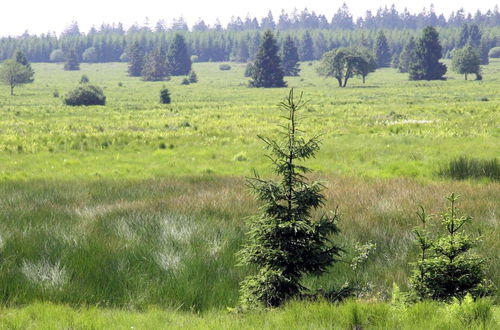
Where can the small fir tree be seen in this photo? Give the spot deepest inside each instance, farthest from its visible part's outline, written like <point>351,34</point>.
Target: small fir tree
<point>72,63</point>
<point>428,52</point>
<point>285,243</point>
<point>135,59</point>
<point>178,59</point>
<point>165,96</point>
<point>290,58</point>
<point>381,51</point>
<point>192,77</point>
<point>446,268</point>
<point>155,66</point>
<point>267,71</point>
<point>466,61</point>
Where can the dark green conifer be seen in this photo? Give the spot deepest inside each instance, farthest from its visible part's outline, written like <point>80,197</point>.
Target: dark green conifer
<point>290,58</point>
<point>306,47</point>
<point>155,66</point>
<point>136,59</point>
<point>407,56</point>
<point>72,63</point>
<point>428,52</point>
<point>178,59</point>
<point>267,70</point>
<point>381,51</point>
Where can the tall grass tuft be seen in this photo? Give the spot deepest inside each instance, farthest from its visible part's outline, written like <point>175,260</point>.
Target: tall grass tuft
<point>463,168</point>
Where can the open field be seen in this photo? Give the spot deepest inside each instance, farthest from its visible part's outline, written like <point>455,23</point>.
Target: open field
<point>390,127</point>
<point>137,205</point>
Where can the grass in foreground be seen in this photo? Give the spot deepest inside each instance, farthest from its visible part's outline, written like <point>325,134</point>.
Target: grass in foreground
<point>296,315</point>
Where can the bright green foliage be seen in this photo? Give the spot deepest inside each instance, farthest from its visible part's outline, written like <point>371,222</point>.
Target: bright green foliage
<point>290,58</point>
<point>407,56</point>
<point>428,52</point>
<point>13,73</point>
<point>155,66</point>
<point>285,243</point>
<point>178,59</point>
<point>90,55</point>
<point>345,63</point>
<point>57,56</point>
<point>21,59</point>
<point>381,51</point>
<point>72,63</point>
<point>192,77</point>
<point>135,60</point>
<point>85,95</point>
<point>466,60</point>
<point>267,71</point>
<point>165,96</point>
<point>447,268</point>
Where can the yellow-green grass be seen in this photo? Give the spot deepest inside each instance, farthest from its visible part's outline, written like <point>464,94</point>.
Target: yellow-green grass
<point>389,127</point>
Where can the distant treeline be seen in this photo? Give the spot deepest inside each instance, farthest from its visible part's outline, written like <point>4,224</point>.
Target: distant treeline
<point>239,40</point>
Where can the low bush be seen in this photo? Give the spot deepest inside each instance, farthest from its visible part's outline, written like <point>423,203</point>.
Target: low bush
<point>165,96</point>
<point>224,67</point>
<point>85,95</point>
<point>463,168</point>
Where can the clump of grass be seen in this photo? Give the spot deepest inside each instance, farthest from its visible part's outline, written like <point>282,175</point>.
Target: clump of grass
<point>463,168</point>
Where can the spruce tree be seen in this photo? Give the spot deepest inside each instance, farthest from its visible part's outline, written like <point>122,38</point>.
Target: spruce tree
<point>290,58</point>
<point>428,52</point>
<point>155,66</point>
<point>136,59</point>
<point>306,47</point>
<point>179,62</point>
<point>381,51</point>
<point>285,243</point>
<point>72,63</point>
<point>267,71</point>
<point>407,56</point>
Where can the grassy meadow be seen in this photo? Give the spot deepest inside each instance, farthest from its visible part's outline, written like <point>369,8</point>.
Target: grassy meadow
<point>138,206</point>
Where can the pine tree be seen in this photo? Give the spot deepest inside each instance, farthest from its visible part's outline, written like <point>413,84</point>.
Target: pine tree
<point>382,52</point>
<point>427,55</point>
<point>136,59</point>
<point>466,61</point>
<point>290,58</point>
<point>407,56</point>
<point>155,66</point>
<point>267,71</point>
<point>306,47</point>
<point>72,63</point>
<point>285,243</point>
<point>179,62</point>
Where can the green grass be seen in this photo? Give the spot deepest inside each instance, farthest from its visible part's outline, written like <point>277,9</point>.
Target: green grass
<point>297,315</point>
<point>390,127</point>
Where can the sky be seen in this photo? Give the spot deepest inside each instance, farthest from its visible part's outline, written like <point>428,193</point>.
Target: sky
<point>42,16</point>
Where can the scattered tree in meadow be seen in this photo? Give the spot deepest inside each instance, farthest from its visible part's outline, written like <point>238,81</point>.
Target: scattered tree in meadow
<point>192,77</point>
<point>267,70</point>
<point>155,66</point>
<point>13,73</point>
<point>381,51</point>
<point>407,56</point>
<point>21,58</point>
<point>136,59</point>
<point>165,96</point>
<point>285,243</point>
<point>290,58</point>
<point>345,63</point>
<point>447,268</point>
<point>72,63</point>
<point>466,61</point>
<point>178,59</point>
<point>428,52</point>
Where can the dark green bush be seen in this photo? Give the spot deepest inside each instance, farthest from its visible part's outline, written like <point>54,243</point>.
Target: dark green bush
<point>84,79</point>
<point>185,81</point>
<point>463,168</point>
<point>224,67</point>
<point>85,95</point>
<point>165,96</point>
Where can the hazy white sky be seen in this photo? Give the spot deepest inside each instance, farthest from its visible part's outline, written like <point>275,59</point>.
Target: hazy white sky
<point>40,16</point>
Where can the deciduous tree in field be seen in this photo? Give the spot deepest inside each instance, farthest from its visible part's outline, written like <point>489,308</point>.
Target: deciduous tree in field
<point>178,59</point>
<point>428,52</point>
<point>267,70</point>
<point>466,61</point>
<point>13,73</point>
<point>285,243</point>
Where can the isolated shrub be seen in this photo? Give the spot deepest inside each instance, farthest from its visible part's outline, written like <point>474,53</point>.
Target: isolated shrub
<point>224,67</point>
<point>57,56</point>
<point>55,93</point>
<point>185,81</point>
<point>494,52</point>
<point>84,79</point>
<point>285,243</point>
<point>85,95</point>
<point>164,96</point>
<point>192,77</point>
<point>463,168</point>
<point>447,269</point>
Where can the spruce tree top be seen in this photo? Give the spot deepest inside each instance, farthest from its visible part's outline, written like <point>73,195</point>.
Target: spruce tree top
<point>267,70</point>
